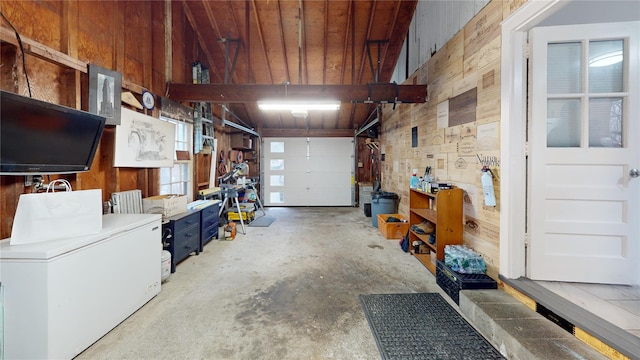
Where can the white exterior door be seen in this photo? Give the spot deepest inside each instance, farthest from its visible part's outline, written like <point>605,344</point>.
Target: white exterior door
<point>584,133</point>
<point>308,171</point>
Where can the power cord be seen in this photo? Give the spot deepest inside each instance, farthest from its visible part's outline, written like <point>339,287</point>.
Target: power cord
<point>24,64</point>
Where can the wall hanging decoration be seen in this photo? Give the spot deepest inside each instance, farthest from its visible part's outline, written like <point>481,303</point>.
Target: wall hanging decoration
<point>143,141</point>
<point>105,87</point>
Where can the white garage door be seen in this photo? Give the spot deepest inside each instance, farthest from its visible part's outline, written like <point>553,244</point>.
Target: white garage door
<point>308,171</point>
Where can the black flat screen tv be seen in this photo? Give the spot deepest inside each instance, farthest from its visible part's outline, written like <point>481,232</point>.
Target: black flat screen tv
<point>37,137</point>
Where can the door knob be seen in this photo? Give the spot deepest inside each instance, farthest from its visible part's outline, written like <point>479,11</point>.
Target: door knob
<point>634,173</point>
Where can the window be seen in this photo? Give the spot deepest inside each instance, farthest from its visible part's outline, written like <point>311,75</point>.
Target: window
<point>570,86</point>
<point>277,146</point>
<point>276,164</point>
<point>276,180</point>
<point>178,179</point>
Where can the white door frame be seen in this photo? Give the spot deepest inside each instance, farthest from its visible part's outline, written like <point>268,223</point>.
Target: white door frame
<point>513,125</point>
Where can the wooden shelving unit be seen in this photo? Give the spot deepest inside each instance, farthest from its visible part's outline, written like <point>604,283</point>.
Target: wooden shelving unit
<point>241,141</point>
<point>444,210</point>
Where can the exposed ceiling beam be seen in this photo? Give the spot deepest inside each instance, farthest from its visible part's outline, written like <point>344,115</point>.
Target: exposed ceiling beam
<point>307,133</point>
<point>229,93</point>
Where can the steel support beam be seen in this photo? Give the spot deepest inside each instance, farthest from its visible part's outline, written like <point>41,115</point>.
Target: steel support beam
<point>269,132</point>
<point>240,127</point>
<point>227,93</point>
<point>366,127</point>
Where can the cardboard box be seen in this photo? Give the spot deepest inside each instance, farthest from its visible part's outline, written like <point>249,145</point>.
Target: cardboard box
<point>167,205</point>
<point>423,249</point>
<point>393,230</point>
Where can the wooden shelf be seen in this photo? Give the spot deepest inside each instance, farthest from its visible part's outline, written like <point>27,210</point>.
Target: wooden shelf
<point>424,238</point>
<point>241,141</point>
<point>428,214</point>
<point>425,259</point>
<point>444,210</point>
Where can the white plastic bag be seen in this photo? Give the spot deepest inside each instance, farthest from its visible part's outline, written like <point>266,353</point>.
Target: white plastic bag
<point>55,215</point>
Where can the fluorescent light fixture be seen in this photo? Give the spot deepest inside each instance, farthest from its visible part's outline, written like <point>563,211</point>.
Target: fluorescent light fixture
<point>299,113</point>
<point>298,106</point>
<point>607,59</point>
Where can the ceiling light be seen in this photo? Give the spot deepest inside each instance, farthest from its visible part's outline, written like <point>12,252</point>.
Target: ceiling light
<point>299,106</point>
<point>299,113</point>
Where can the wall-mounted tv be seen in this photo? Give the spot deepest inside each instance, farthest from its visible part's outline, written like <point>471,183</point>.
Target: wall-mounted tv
<point>38,137</point>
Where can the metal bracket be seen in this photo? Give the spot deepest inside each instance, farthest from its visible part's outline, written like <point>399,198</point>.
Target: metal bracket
<point>375,72</point>
<point>228,73</point>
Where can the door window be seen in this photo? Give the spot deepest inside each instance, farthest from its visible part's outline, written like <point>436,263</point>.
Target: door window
<point>574,116</point>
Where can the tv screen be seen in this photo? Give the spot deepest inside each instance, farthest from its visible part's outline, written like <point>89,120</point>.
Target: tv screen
<point>38,137</point>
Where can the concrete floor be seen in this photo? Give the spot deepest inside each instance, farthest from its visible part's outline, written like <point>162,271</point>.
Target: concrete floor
<point>287,291</point>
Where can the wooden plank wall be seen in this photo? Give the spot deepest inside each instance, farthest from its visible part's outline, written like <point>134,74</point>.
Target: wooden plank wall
<point>469,61</point>
<point>125,36</point>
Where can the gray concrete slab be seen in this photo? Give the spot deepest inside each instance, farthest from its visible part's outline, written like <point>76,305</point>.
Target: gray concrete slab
<point>287,291</point>
<point>519,332</point>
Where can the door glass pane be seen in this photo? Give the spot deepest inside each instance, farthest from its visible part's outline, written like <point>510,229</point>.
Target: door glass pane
<point>563,123</point>
<point>277,146</point>
<point>276,180</point>
<point>605,122</point>
<point>276,197</point>
<point>606,66</point>
<point>276,164</point>
<point>564,62</point>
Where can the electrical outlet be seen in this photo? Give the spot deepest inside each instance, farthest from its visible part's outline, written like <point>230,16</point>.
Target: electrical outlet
<point>28,180</point>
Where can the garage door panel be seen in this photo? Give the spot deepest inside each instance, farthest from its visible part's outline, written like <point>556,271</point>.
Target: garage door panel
<point>328,179</point>
<point>326,196</point>
<point>333,147</point>
<point>316,172</point>
<point>290,163</point>
<point>296,179</point>
<point>326,163</point>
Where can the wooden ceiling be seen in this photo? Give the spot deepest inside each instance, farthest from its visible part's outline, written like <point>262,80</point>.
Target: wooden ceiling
<point>291,44</point>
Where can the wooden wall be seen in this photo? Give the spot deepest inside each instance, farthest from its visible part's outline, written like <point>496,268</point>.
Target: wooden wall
<point>464,78</point>
<point>125,36</point>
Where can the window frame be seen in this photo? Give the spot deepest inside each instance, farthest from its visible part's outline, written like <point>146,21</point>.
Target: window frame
<point>187,141</point>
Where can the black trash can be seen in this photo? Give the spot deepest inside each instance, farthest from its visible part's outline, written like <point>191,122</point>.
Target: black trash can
<point>383,202</point>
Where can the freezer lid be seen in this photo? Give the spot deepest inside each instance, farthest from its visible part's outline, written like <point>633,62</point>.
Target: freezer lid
<point>112,224</point>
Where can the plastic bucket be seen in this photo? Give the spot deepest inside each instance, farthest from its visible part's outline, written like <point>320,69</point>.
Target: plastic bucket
<point>165,265</point>
<point>383,203</point>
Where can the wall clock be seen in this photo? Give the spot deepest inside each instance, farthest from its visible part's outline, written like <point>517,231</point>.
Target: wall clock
<point>148,100</point>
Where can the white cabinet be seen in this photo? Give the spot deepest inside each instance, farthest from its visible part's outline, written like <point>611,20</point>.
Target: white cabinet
<point>61,296</point>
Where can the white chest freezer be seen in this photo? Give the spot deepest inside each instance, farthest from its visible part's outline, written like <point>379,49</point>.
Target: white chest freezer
<point>61,296</point>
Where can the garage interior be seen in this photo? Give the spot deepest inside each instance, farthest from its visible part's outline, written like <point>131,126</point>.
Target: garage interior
<point>291,289</point>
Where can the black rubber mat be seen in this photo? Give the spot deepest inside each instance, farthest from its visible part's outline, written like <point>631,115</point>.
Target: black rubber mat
<point>422,326</point>
<point>264,221</point>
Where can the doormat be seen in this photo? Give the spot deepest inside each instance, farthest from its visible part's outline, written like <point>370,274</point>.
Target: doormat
<point>264,221</point>
<point>422,326</point>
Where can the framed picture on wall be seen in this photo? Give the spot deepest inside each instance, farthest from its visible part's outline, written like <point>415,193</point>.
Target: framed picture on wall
<point>105,87</point>
<point>143,141</point>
